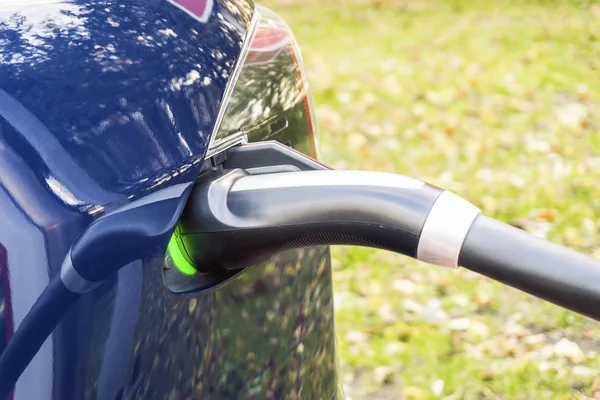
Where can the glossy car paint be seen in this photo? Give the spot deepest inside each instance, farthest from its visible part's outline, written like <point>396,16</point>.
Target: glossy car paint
<point>102,102</point>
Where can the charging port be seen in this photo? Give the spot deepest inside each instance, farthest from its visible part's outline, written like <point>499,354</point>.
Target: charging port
<point>269,157</point>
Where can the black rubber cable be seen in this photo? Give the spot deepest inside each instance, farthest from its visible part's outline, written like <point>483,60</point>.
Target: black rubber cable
<point>46,313</point>
<point>546,270</point>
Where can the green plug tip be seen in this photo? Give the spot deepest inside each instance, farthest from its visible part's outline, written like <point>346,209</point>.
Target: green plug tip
<point>179,259</point>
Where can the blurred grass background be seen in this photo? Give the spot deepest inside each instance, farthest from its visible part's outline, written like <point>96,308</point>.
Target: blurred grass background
<point>498,101</point>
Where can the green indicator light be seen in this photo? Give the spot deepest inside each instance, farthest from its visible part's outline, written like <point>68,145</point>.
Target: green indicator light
<point>179,259</point>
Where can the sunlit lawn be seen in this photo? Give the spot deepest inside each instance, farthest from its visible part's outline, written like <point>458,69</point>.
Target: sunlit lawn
<point>497,101</point>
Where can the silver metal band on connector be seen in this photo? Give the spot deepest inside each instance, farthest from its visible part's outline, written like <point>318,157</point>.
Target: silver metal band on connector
<point>72,280</point>
<point>445,230</point>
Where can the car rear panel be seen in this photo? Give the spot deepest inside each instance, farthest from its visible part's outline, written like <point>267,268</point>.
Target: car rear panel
<point>104,101</point>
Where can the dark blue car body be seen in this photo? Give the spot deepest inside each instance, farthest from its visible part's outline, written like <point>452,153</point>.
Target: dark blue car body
<point>97,107</point>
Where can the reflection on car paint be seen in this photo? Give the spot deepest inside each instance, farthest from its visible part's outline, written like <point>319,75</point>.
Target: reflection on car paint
<point>265,334</point>
<point>80,82</point>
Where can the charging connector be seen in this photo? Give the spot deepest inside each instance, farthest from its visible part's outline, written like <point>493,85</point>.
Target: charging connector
<point>236,220</point>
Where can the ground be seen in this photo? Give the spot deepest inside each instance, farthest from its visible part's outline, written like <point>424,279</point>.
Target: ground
<point>497,101</point>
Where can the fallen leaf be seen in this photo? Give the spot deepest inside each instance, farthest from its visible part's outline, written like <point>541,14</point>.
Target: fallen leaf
<point>412,393</point>
<point>404,286</point>
<point>570,350</point>
<point>375,329</point>
<point>393,348</point>
<point>456,339</point>
<point>387,314</point>
<point>405,333</point>
<point>572,115</point>
<point>192,305</point>
<point>478,328</point>
<point>548,214</point>
<point>356,337</point>
<point>482,300</point>
<point>357,140</point>
<point>520,363</point>
<point>344,97</point>
<point>412,306</point>
<point>450,131</point>
<point>437,387</point>
<point>459,324</point>
<point>460,300</point>
<point>488,204</point>
<point>433,312</point>
<point>507,346</point>
<point>487,375</point>
<point>596,385</point>
<point>583,372</point>
<point>551,367</point>
<point>513,329</point>
<point>383,375</point>
<point>535,341</point>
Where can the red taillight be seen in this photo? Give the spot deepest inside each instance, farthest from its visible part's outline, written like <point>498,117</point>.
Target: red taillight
<point>266,44</point>
<point>307,107</point>
<point>269,87</point>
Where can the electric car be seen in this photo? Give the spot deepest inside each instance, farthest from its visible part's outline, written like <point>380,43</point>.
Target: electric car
<point>165,221</point>
<point>102,102</point>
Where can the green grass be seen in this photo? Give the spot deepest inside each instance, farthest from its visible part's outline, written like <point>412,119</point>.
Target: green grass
<point>499,102</point>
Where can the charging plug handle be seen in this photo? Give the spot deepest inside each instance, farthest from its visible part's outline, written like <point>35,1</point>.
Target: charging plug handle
<point>534,265</point>
<point>236,220</point>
